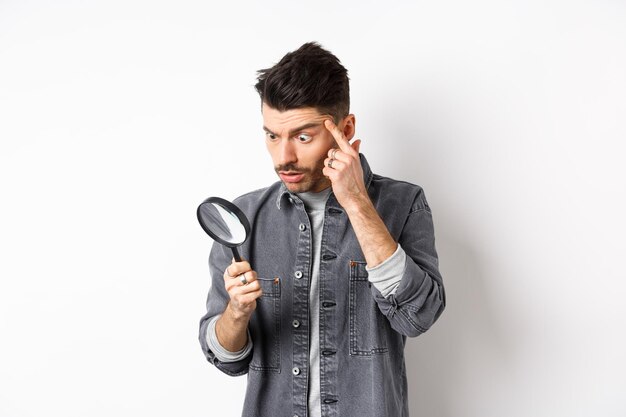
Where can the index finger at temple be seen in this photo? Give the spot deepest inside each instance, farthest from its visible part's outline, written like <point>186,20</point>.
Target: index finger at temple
<point>338,135</point>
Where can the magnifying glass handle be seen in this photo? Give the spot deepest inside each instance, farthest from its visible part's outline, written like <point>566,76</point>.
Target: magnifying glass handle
<point>236,254</point>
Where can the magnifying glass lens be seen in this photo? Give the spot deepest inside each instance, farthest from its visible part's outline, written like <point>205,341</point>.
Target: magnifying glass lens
<point>224,222</point>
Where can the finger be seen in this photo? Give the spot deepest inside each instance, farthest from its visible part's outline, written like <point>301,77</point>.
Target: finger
<point>341,140</point>
<point>236,288</point>
<point>337,165</point>
<point>250,276</point>
<point>246,278</point>
<point>238,268</point>
<point>330,173</point>
<point>251,287</point>
<point>335,153</point>
<point>231,284</point>
<point>249,298</point>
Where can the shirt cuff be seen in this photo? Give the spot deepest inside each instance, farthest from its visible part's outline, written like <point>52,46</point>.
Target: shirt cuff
<point>222,354</point>
<point>387,276</point>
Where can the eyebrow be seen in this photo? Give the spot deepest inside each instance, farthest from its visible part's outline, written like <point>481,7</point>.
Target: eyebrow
<point>296,130</point>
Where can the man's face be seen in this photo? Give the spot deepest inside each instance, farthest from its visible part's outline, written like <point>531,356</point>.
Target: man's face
<point>298,142</point>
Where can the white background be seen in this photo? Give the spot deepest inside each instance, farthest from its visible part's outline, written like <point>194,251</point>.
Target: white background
<point>117,118</point>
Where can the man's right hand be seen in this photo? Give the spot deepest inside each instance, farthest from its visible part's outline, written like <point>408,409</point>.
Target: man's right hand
<point>244,291</point>
<point>230,328</point>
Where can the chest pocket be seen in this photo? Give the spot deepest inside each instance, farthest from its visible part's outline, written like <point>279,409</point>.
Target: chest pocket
<point>368,327</point>
<point>265,328</point>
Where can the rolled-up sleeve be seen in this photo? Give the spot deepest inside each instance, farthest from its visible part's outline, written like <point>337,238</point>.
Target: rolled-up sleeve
<point>220,352</point>
<point>387,275</point>
<point>419,297</point>
<point>217,301</point>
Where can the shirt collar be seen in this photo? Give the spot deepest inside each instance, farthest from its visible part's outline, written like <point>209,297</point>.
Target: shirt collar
<point>367,177</point>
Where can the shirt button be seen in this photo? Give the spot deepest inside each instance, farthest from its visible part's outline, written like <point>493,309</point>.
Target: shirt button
<point>296,371</point>
<point>296,323</point>
<point>298,274</point>
<point>302,226</point>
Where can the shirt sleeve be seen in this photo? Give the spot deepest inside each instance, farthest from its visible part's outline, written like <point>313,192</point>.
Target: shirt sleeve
<point>387,275</point>
<point>220,353</point>
<point>419,298</point>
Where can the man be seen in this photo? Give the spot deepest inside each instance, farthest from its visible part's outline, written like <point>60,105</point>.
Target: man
<point>341,263</point>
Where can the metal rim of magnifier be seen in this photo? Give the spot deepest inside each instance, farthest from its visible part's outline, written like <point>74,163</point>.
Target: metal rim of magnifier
<point>233,209</point>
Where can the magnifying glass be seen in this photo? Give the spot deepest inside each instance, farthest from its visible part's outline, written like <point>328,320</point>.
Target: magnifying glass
<point>224,222</point>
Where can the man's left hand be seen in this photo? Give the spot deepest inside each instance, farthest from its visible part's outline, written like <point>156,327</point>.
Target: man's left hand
<point>343,168</point>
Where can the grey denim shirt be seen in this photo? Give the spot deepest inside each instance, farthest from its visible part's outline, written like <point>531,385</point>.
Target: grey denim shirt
<point>362,334</point>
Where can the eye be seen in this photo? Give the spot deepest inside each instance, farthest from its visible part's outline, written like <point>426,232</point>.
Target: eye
<point>270,136</point>
<point>304,138</point>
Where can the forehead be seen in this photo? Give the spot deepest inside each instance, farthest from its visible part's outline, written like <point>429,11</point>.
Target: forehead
<point>277,120</point>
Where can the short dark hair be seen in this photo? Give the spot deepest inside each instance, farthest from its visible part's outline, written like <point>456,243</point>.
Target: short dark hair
<point>307,77</point>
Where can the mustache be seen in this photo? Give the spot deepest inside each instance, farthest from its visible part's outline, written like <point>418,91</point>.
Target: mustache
<point>292,167</point>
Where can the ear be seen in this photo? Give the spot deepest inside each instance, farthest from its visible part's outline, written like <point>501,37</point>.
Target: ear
<point>349,126</point>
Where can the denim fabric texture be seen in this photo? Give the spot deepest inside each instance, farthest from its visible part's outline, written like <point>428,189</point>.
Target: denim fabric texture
<point>362,334</point>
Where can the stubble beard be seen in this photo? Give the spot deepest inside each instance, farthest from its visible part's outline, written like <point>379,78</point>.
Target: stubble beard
<point>313,179</point>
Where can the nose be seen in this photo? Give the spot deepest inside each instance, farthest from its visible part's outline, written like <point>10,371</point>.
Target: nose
<point>286,152</point>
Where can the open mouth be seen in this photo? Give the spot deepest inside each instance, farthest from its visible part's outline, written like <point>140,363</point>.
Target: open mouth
<point>291,176</point>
